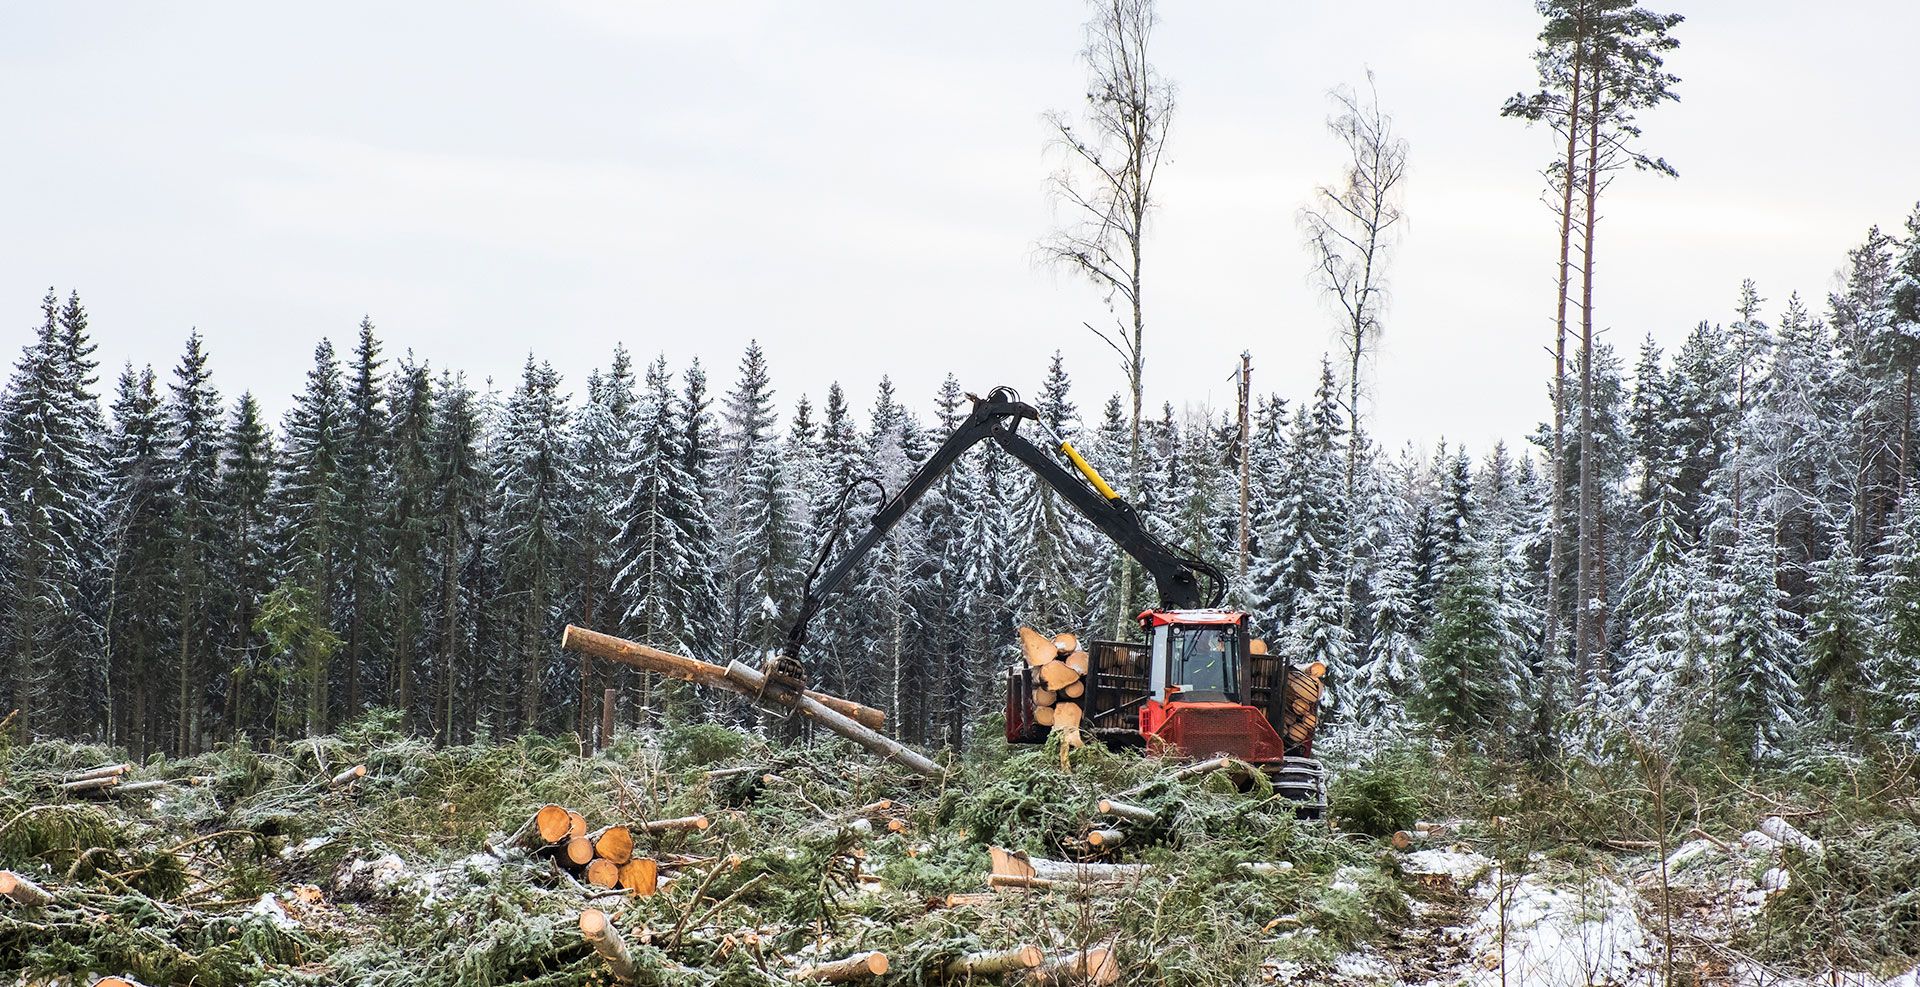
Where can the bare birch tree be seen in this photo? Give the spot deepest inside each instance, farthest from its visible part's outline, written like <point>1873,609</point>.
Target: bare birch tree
<point>1350,228</point>
<point>1111,155</point>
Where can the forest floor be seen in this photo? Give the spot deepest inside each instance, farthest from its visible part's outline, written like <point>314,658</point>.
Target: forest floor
<point>250,867</point>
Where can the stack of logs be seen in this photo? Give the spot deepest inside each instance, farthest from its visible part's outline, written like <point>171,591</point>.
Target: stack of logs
<point>602,857</point>
<point>1060,670</point>
<point>1303,701</point>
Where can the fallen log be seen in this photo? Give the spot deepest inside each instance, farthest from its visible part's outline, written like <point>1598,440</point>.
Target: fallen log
<point>347,777</point>
<point>959,899</point>
<point>1014,864</point>
<point>613,843</point>
<point>1191,771</point>
<point>609,648</point>
<point>752,681</point>
<point>548,825</point>
<point>641,875</point>
<point>1783,832</point>
<point>138,787</point>
<point>719,774</point>
<point>669,825</point>
<point>1090,966</point>
<point>599,931</point>
<point>875,808</point>
<point>111,770</point>
<point>1037,647</point>
<point>603,873</point>
<point>994,962</point>
<point>21,891</point>
<point>1127,811</point>
<point>99,784</point>
<point>1026,882</point>
<point>1106,837</point>
<point>860,966</point>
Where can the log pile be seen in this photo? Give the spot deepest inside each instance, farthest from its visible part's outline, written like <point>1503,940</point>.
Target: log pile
<point>604,857</point>
<point>1060,669</point>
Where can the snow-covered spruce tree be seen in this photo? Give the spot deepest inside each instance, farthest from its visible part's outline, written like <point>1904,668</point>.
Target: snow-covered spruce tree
<point>651,580</point>
<point>1896,609</point>
<point>981,568</point>
<point>601,438</point>
<point>1388,676</point>
<point>1653,611</point>
<point>939,596</point>
<point>307,505</point>
<point>701,583</point>
<point>1266,458</point>
<point>1761,653</point>
<point>1870,383</point>
<point>1051,591</point>
<point>363,464</point>
<point>51,478</point>
<point>1839,655</point>
<point>244,567</point>
<point>837,464</point>
<point>1301,536</point>
<point>535,483</point>
<point>762,545</point>
<point>1318,633</point>
<point>456,512</point>
<point>407,530</point>
<point>1902,345</point>
<point>1466,691</point>
<point>193,433</point>
<point>139,605</point>
<point>1796,441</point>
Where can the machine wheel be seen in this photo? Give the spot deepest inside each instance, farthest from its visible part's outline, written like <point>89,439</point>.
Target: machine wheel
<point>1303,780</point>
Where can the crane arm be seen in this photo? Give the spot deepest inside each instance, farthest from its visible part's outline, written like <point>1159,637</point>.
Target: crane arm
<point>1183,581</point>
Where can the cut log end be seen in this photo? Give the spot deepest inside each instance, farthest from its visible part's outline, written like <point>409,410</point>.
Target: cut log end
<point>578,851</point>
<point>1066,644</point>
<point>21,891</point>
<point>1037,647</point>
<point>641,876</point>
<point>597,928</point>
<point>603,873</point>
<point>1106,837</point>
<point>613,843</point>
<point>576,824</point>
<point>860,966</point>
<point>551,823</point>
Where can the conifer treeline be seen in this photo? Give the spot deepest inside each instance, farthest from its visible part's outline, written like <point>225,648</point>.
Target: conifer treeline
<point>176,571</point>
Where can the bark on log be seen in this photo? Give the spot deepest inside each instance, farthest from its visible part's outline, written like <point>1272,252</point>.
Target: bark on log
<point>598,929</point>
<point>111,770</point>
<point>613,843</point>
<point>1019,865</point>
<point>348,777</point>
<point>99,784</point>
<point>1092,966</point>
<point>603,873</point>
<point>137,787</point>
<point>720,774</point>
<point>21,891</point>
<point>1127,811</point>
<point>846,727</point>
<point>705,673</point>
<point>960,899</point>
<point>1023,881</point>
<point>995,962</point>
<point>1106,837</point>
<point>1058,675</point>
<point>875,808</point>
<point>860,966</point>
<point>669,825</point>
<point>1037,647</point>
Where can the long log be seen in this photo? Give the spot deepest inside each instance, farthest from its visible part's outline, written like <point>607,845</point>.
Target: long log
<point>99,784</point>
<point>347,777</point>
<point>1193,770</point>
<point>598,929</point>
<point>994,962</point>
<point>1106,837</point>
<point>859,733</point>
<point>1128,811</point>
<point>1019,865</point>
<point>668,825</point>
<point>137,787</point>
<point>1090,966</point>
<point>860,966</point>
<point>111,770</point>
<point>609,648</point>
<point>21,891</point>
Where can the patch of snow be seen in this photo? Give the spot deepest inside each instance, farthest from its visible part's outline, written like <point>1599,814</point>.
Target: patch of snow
<point>1462,867</point>
<point>1686,854</point>
<point>1559,935</point>
<point>305,847</point>
<point>270,908</point>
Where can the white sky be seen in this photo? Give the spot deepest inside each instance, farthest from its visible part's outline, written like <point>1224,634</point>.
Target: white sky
<point>860,185</point>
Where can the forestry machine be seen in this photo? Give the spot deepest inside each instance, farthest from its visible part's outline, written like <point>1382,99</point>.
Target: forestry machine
<point>1199,684</point>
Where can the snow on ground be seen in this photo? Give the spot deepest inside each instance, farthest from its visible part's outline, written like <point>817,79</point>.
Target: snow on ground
<point>1463,867</point>
<point>1553,933</point>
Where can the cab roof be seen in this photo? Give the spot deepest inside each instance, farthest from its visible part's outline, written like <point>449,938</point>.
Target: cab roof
<point>1221,618</point>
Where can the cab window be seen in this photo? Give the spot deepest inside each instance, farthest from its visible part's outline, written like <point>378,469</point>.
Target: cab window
<point>1203,661</point>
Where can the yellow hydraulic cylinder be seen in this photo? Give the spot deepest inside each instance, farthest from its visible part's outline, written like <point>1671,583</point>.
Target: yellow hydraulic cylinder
<point>1086,469</point>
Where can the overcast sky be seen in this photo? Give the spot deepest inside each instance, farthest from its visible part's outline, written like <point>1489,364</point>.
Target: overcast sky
<point>860,186</point>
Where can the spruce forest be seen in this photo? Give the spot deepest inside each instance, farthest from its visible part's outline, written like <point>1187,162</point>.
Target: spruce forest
<point>1633,697</point>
